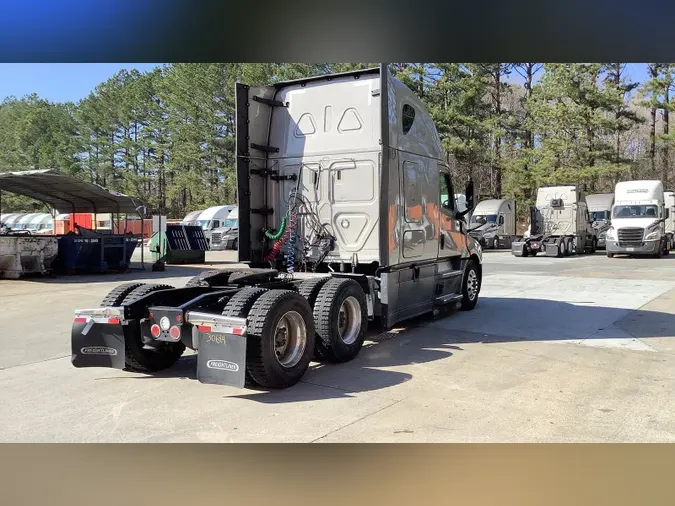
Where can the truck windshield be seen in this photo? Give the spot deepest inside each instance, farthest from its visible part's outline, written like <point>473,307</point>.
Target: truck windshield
<point>205,224</point>
<point>599,215</point>
<point>482,219</point>
<point>636,211</point>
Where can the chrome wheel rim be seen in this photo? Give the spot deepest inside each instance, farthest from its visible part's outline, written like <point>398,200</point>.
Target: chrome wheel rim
<point>472,284</point>
<point>290,339</point>
<point>349,320</point>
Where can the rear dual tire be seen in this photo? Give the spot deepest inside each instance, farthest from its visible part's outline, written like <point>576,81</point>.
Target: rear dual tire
<point>280,339</point>
<point>341,317</point>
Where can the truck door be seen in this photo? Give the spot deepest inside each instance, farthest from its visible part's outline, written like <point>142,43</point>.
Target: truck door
<point>451,240</point>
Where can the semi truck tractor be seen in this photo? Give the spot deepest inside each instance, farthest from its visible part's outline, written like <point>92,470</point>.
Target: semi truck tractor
<point>669,197</point>
<point>227,236</point>
<point>559,224</point>
<point>211,218</point>
<point>341,223</point>
<point>639,218</point>
<point>493,223</point>
<point>600,211</point>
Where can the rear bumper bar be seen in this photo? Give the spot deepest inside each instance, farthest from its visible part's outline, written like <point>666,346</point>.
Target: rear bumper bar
<point>98,340</point>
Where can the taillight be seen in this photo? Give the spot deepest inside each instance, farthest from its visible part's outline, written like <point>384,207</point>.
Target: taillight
<point>174,332</point>
<point>179,318</point>
<point>155,330</point>
<point>114,321</point>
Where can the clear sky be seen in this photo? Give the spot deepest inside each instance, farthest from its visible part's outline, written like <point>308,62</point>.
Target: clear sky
<point>634,72</point>
<point>59,82</point>
<point>62,82</point>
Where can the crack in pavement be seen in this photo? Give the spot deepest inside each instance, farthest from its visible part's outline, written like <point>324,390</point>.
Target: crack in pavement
<point>33,363</point>
<point>357,420</point>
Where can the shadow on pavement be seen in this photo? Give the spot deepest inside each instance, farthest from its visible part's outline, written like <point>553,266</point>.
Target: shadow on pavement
<point>504,319</point>
<point>426,339</point>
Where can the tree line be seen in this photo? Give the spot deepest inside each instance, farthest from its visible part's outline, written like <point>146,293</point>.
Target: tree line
<point>167,136</point>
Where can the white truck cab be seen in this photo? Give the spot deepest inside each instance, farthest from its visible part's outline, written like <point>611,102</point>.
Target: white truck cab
<point>669,197</point>
<point>600,211</point>
<point>191,218</point>
<point>227,235</point>
<point>493,223</point>
<point>638,220</point>
<point>211,218</point>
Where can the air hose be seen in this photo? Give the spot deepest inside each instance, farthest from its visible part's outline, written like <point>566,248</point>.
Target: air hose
<point>277,235</point>
<point>282,240</point>
<point>290,260</point>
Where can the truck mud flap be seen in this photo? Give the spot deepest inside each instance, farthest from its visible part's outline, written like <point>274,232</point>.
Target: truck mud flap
<point>552,248</point>
<point>518,248</point>
<point>221,348</point>
<point>97,338</point>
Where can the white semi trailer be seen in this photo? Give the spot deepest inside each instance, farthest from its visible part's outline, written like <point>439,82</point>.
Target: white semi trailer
<point>493,223</point>
<point>600,211</point>
<point>639,218</point>
<point>559,224</point>
<point>341,221</point>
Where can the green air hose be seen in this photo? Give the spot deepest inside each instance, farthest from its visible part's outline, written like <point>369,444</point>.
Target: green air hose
<point>276,235</point>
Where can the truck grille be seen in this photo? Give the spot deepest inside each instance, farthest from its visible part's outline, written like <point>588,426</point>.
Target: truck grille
<point>216,237</point>
<point>631,236</point>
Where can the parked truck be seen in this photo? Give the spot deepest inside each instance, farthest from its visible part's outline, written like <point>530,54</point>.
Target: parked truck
<point>341,223</point>
<point>191,218</point>
<point>227,236</point>
<point>559,224</point>
<point>493,223</point>
<point>639,218</point>
<point>600,211</point>
<point>211,218</point>
<point>669,197</point>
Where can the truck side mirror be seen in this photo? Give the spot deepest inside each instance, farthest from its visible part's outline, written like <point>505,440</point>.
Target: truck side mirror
<point>469,195</point>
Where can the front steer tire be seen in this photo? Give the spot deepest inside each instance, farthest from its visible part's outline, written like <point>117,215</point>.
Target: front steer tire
<point>471,283</point>
<point>336,295</point>
<point>264,317</point>
<point>139,358</point>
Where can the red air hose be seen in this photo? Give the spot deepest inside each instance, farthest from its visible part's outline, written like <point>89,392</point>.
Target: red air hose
<point>280,243</point>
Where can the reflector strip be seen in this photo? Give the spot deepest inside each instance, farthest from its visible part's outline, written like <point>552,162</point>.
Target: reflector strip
<point>203,328</point>
<point>237,331</point>
<point>80,319</point>
<point>114,321</point>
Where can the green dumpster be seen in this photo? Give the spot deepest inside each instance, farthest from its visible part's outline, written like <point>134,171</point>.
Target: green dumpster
<point>180,244</point>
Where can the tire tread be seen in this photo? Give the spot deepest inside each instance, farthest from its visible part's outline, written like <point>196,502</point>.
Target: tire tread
<point>257,319</point>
